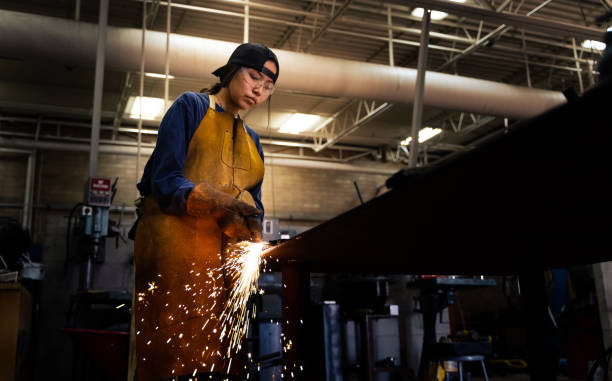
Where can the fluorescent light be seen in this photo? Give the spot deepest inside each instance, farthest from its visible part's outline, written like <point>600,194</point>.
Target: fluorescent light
<point>592,44</point>
<point>157,75</point>
<point>299,122</point>
<point>152,108</point>
<point>435,15</point>
<point>424,135</point>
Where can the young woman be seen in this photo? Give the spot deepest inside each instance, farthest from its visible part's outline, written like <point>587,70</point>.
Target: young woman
<point>201,188</point>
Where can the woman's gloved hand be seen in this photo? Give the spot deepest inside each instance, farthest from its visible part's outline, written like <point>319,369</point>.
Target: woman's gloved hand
<point>255,228</point>
<point>236,218</point>
<point>241,228</point>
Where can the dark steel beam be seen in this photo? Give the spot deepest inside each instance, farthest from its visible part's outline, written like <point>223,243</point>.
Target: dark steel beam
<point>519,200</point>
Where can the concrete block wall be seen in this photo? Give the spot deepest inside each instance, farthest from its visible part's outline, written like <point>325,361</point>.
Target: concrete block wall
<point>288,193</point>
<point>301,193</point>
<point>63,176</point>
<point>12,182</point>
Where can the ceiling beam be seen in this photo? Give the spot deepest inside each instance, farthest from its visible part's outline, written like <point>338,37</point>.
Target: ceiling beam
<point>326,26</point>
<point>362,24</point>
<point>492,36</point>
<point>291,29</point>
<point>547,26</point>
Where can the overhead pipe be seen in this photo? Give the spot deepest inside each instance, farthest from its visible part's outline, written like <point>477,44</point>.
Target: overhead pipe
<point>278,142</point>
<point>147,151</point>
<point>26,36</point>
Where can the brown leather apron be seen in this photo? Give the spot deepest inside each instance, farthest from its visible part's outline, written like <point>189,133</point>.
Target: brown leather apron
<point>175,314</point>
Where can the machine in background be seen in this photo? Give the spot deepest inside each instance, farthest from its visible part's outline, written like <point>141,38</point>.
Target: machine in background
<point>88,227</point>
<point>97,320</point>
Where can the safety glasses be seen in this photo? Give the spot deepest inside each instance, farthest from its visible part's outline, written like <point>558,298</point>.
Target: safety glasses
<point>257,79</point>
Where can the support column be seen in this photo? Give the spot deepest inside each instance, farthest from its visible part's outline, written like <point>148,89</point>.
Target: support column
<point>419,89</point>
<point>390,34</point>
<point>77,10</point>
<point>141,90</point>
<point>245,37</point>
<point>525,58</point>
<point>603,286</point>
<point>98,85</point>
<point>28,198</point>
<point>167,72</point>
<point>579,71</point>
<point>295,300</point>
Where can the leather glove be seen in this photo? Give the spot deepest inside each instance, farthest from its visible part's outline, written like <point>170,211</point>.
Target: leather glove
<point>255,228</point>
<point>237,219</point>
<point>240,228</point>
<point>206,199</point>
<point>235,227</point>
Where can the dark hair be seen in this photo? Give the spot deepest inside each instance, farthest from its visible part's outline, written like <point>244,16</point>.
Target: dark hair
<point>227,78</point>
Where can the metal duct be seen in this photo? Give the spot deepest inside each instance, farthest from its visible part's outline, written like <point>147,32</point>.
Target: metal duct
<point>313,164</point>
<point>25,35</point>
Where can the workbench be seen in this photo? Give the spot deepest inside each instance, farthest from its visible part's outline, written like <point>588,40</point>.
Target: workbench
<point>536,196</point>
<point>15,330</point>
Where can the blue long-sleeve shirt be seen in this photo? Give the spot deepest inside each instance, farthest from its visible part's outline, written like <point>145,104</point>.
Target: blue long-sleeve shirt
<point>163,174</point>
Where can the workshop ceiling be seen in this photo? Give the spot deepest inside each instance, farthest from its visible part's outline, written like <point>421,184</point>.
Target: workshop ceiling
<point>355,30</point>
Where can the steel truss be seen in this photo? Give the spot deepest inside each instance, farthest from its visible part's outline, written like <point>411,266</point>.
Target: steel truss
<point>346,121</point>
<point>457,124</point>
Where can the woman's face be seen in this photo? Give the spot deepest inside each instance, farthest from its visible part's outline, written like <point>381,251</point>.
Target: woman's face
<point>249,87</point>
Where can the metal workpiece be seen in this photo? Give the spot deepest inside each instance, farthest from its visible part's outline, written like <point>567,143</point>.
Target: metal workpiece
<point>518,200</point>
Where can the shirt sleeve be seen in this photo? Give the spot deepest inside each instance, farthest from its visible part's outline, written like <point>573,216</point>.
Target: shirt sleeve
<point>167,184</point>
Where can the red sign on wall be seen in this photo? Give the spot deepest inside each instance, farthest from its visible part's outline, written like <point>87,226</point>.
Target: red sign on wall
<point>100,184</point>
<point>99,193</point>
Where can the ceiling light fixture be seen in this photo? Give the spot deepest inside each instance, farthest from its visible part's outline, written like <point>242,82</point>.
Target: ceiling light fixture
<point>299,123</point>
<point>424,135</point>
<point>593,44</point>
<point>435,15</point>
<point>157,75</point>
<point>152,108</point>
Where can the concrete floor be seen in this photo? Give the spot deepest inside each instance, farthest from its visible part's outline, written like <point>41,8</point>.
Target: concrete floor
<point>508,377</point>
<point>512,377</point>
